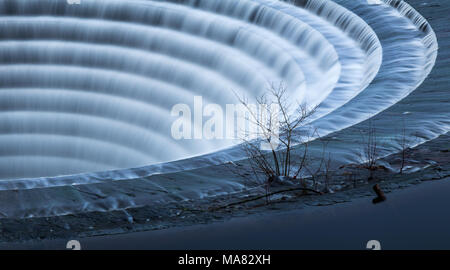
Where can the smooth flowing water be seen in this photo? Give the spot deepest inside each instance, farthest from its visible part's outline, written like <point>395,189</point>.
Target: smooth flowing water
<point>86,91</point>
<point>90,87</point>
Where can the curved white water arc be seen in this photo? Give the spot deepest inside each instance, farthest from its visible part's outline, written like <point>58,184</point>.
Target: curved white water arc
<point>342,112</point>
<point>368,41</point>
<point>358,48</point>
<point>402,70</point>
<point>173,45</point>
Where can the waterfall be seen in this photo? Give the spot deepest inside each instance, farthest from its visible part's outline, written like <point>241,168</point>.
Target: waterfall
<point>107,73</point>
<point>86,91</point>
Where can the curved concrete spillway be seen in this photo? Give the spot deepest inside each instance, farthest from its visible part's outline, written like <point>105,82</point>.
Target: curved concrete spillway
<point>89,88</point>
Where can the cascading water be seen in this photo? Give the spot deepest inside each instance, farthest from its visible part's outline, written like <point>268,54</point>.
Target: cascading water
<point>88,89</point>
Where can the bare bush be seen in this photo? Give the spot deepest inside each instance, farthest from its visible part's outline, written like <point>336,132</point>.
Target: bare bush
<point>401,140</point>
<point>279,126</point>
<point>281,151</point>
<point>370,152</point>
<point>328,173</point>
<point>321,170</point>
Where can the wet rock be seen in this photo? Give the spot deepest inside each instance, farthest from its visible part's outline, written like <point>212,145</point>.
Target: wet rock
<point>327,190</point>
<point>275,181</point>
<point>380,194</point>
